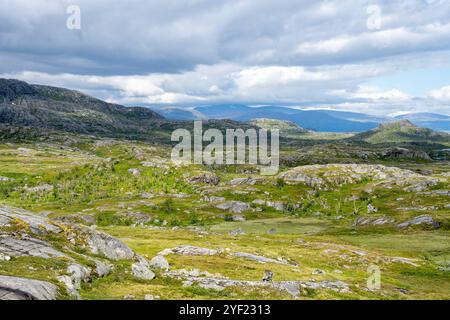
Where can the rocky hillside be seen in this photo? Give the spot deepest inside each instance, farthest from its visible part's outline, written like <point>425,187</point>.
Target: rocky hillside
<point>402,131</point>
<point>43,107</point>
<point>33,111</point>
<point>282,125</point>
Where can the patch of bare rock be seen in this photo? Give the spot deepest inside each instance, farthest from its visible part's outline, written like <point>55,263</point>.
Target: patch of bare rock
<point>14,288</point>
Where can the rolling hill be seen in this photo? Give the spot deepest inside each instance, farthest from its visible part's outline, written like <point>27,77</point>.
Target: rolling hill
<point>402,131</point>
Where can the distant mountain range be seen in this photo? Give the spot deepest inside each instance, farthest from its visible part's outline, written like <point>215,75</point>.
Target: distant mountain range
<point>40,109</point>
<point>317,120</point>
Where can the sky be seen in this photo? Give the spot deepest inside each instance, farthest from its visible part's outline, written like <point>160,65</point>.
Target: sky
<point>376,57</point>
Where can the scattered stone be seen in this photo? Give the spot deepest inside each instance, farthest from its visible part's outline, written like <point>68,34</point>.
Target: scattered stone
<point>129,297</point>
<point>147,195</point>
<point>437,192</point>
<point>41,189</point>
<point>236,232</point>
<point>13,288</point>
<point>4,257</point>
<point>293,288</point>
<point>259,202</point>
<point>277,205</point>
<point>152,164</point>
<point>137,217</point>
<point>268,276</point>
<point>134,171</point>
<point>272,231</point>
<point>238,218</point>
<point>151,297</point>
<point>4,179</point>
<point>371,209</point>
<point>214,199</point>
<point>318,271</point>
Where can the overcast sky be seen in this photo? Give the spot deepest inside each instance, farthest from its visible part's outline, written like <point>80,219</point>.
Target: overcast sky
<point>379,57</point>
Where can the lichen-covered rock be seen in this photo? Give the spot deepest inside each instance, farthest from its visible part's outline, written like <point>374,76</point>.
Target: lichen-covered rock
<point>14,247</point>
<point>159,262</point>
<point>13,288</point>
<point>141,270</point>
<point>37,224</point>
<point>76,274</point>
<point>106,245</point>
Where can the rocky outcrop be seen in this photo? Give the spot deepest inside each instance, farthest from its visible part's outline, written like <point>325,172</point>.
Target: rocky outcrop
<point>372,221</point>
<point>141,269</point>
<point>277,205</point>
<point>403,153</point>
<point>219,283</point>
<point>103,244</point>
<point>13,288</point>
<point>189,250</point>
<point>154,164</point>
<point>207,178</point>
<point>243,181</point>
<point>261,259</point>
<point>10,246</point>
<point>420,220</point>
<point>233,206</point>
<point>421,185</point>
<point>160,263</point>
<point>76,274</point>
<point>14,244</point>
<point>37,224</point>
<point>317,175</point>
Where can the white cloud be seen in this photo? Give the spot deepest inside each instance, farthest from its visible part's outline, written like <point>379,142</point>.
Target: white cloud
<point>374,93</point>
<point>441,94</point>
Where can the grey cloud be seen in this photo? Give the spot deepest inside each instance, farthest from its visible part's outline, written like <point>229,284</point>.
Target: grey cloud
<point>139,37</point>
